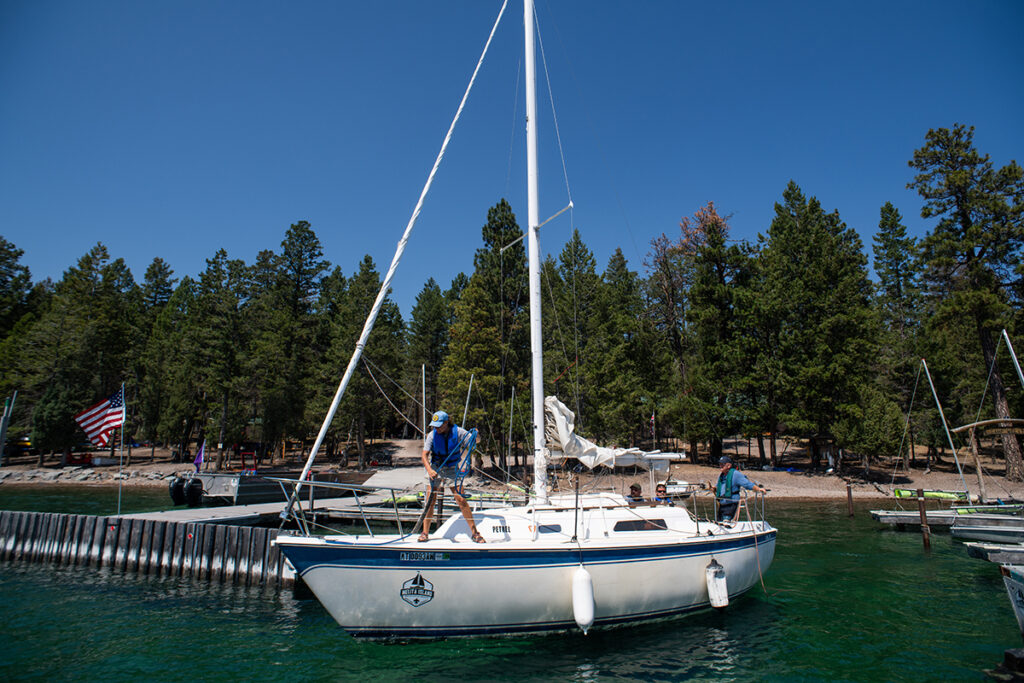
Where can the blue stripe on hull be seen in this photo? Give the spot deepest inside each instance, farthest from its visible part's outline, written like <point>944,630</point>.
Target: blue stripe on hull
<point>342,555</point>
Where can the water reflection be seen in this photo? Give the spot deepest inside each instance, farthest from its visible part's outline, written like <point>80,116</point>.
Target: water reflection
<point>846,600</point>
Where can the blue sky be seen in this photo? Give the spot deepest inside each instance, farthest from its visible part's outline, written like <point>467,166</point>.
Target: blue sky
<point>174,129</point>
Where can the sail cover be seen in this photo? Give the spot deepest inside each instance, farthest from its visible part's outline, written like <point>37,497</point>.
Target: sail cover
<point>563,442</point>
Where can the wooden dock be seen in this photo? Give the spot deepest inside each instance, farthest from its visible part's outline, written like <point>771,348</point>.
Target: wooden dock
<point>207,552</point>
<point>206,543</point>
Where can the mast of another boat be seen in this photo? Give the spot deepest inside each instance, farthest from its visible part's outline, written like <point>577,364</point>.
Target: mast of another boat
<point>949,436</point>
<point>540,472</point>
<point>1013,356</point>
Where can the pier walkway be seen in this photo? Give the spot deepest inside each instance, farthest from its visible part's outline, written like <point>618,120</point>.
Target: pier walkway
<point>216,544</point>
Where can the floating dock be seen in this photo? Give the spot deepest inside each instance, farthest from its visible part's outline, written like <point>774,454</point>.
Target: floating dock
<point>207,552</point>
<point>994,552</point>
<point>217,544</point>
<point>938,518</point>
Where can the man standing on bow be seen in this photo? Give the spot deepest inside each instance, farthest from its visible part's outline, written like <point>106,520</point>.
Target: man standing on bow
<point>727,490</point>
<point>443,450</point>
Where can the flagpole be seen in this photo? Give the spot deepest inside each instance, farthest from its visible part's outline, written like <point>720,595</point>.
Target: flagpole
<point>120,466</point>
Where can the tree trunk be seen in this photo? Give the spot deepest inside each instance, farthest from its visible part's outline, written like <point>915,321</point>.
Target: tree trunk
<point>907,456</point>
<point>716,450</point>
<point>773,448</point>
<point>693,449</point>
<point>982,496</point>
<point>1011,447</point>
<point>760,450</point>
<point>815,453</point>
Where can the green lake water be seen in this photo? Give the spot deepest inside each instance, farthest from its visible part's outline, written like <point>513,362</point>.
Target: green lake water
<point>845,599</point>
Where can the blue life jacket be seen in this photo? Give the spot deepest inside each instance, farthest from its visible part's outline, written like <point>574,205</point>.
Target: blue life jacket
<point>445,451</point>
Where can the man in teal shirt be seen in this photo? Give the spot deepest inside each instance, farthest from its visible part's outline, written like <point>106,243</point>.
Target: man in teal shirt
<point>727,490</point>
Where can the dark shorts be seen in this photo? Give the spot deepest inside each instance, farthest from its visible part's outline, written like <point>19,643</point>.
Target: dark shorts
<point>727,510</point>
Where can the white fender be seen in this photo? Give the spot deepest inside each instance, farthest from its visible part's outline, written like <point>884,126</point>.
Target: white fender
<point>718,591</point>
<point>583,599</point>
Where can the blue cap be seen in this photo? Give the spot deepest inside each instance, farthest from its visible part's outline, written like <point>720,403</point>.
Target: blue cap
<point>439,418</point>
<point>724,459</point>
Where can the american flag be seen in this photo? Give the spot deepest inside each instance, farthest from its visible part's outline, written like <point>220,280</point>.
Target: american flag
<point>103,418</point>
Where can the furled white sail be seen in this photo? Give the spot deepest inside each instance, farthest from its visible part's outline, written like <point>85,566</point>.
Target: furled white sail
<point>564,442</point>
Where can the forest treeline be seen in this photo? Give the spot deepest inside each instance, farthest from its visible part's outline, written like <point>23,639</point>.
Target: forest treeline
<point>786,335</point>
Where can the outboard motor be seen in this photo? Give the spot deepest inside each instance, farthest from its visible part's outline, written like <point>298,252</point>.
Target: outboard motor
<point>177,490</point>
<point>194,493</point>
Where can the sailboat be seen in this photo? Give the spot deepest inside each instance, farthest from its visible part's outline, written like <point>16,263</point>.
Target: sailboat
<point>557,563</point>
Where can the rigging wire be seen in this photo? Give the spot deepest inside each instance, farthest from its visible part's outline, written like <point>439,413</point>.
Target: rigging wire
<point>388,399</point>
<point>412,398</point>
<point>512,137</point>
<point>572,226</point>
<point>386,284</point>
<point>906,428</point>
<point>551,100</point>
<point>597,145</point>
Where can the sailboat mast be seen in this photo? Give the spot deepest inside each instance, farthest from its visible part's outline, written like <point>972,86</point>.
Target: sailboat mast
<point>540,475</point>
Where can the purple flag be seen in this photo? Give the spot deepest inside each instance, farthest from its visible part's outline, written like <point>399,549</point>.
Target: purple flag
<point>199,456</point>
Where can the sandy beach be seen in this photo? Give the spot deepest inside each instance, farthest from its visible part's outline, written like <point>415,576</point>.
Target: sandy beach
<point>795,480</point>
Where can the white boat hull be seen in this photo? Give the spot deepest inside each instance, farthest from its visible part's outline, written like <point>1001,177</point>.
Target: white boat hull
<point>1013,577</point>
<point>394,587</point>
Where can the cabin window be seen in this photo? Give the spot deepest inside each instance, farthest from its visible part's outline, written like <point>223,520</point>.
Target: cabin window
<point>550,528</point>
<point>641,525</point>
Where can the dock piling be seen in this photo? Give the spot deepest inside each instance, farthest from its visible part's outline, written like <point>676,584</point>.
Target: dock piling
<point>925,531</point>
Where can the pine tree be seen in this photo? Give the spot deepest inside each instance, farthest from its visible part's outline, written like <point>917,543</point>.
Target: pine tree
<point>157,289</point>
<point>899,304</point>
<point>492,309</point>
<point>363,409</point>
<point>816,292</point>
<point>429,329</point>
<point>671,271</point>
<point>974,253</point>
<point>476,352</point>
<point>266,363</point>
<point>81,342</point>
<point>220,341</point>
<point>719,273</point>
<point>15,286</point>
<point>573,304</point>
<point>166,397</point>
<point>628,358</point>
